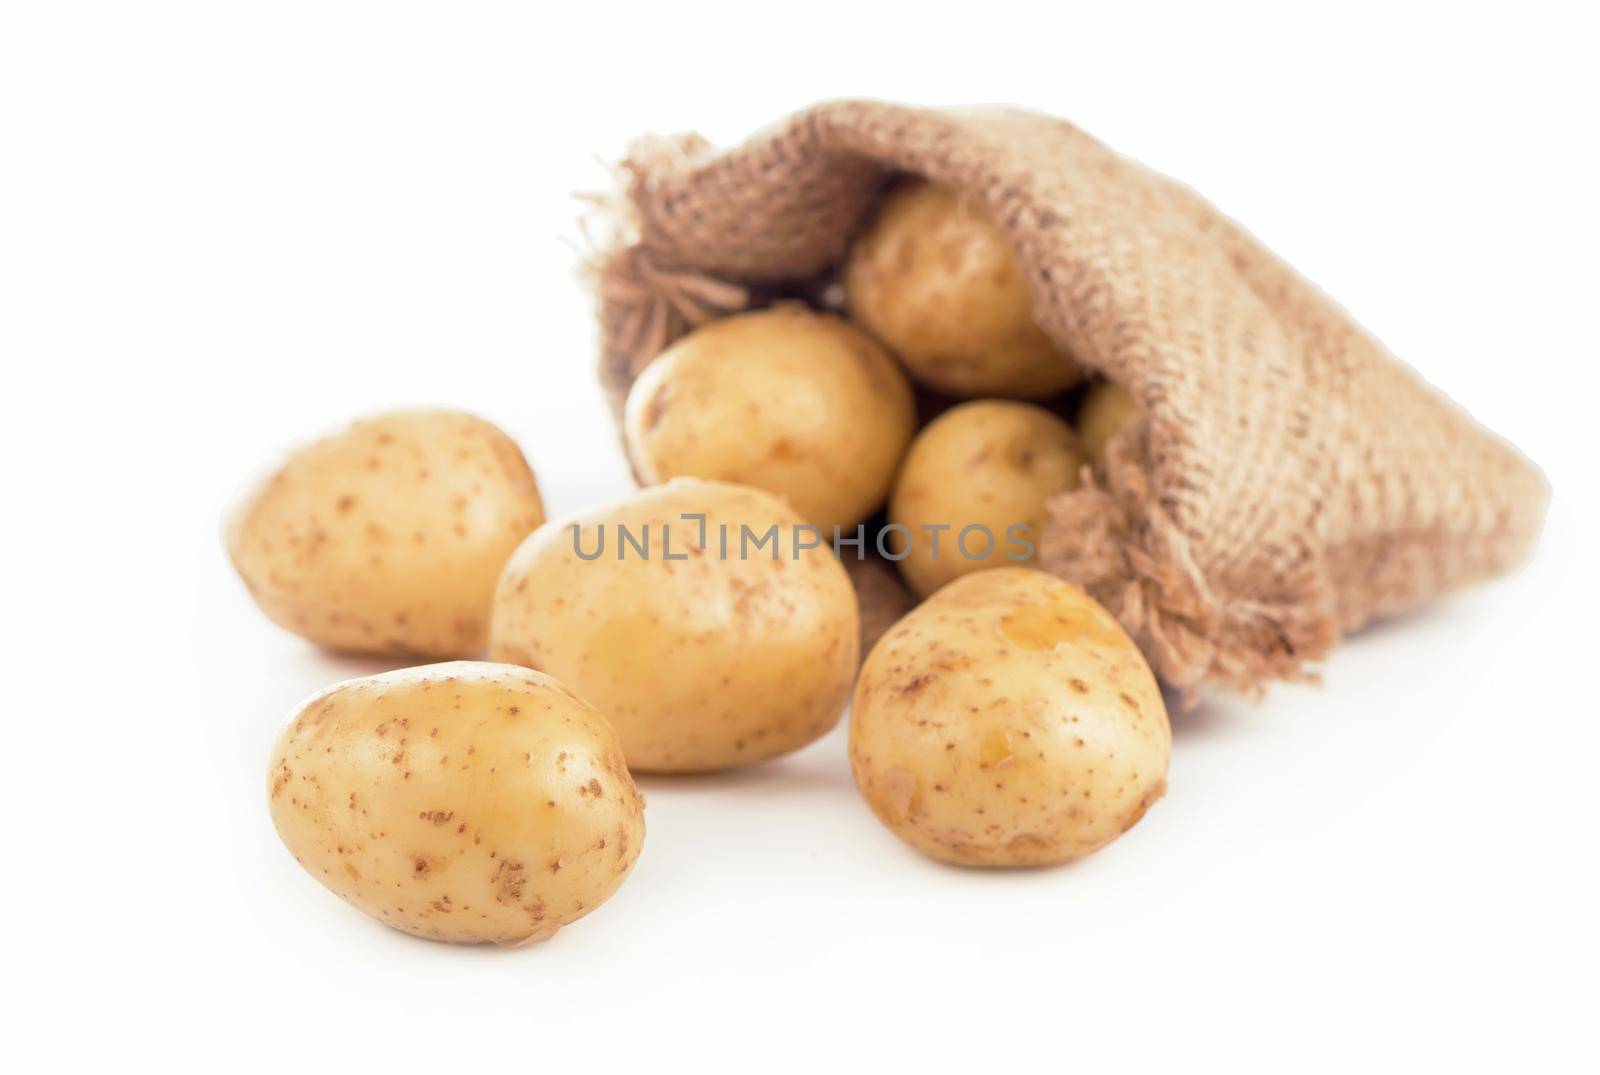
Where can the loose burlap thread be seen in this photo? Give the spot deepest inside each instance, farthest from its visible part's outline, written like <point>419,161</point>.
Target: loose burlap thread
<point>1291,481</point>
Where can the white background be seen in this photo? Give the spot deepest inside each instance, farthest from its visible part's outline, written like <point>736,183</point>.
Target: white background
<point>226,227</point>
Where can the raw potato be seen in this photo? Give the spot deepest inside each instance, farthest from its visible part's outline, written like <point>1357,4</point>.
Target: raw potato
<point>1107,410</point>
<point>938,283</point>
<point>462,802</point>
<point>1008,721</point>
<point>702,659</point>
<point>990,464</point>
<point>389,536</point>
<point>801,404</point>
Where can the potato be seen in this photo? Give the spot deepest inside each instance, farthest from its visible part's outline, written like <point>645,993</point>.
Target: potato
<point>388,537</point>
<point>939,284</point>
<point>1107,410</point>
<point>705,649</point>
<point>801,404</point>
<point>989,465</point>
<point>1008,721</point>
<point>462,802</point>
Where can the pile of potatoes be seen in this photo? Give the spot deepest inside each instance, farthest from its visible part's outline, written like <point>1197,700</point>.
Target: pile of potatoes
<point>706,621</point>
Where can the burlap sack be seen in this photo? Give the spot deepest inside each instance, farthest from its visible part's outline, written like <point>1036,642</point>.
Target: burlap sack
<point>1293,480</point>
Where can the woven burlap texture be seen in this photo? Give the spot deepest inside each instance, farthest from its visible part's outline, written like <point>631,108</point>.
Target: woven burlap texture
<point>1292,481</point>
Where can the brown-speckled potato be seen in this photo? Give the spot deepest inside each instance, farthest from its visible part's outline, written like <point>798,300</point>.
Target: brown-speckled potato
<point>989,464</point>
<point>936,281</point>
<point>389,536</point>
<point>1008,721</point>
<point>462,802</point>
<point>801,404</point>
<point>1107,410</point>
<point>702,660</point>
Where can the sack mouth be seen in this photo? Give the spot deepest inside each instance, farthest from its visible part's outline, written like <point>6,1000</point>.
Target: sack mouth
<point>1262,508</point>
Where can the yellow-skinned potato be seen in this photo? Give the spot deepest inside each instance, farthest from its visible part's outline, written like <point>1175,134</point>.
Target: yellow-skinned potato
<point>703,655</point>
<point>801,404</point>
<point>462,802</point>
<point>939,284</point>
<point>1008,721</point>
<point>389,536</point>
<point>1107,410</point>
<point>989,464</point>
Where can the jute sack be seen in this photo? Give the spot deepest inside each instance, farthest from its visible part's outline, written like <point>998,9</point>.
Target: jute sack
<point>1292,480</point>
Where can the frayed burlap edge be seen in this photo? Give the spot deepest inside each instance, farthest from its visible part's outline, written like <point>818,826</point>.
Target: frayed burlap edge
<point>642,306</point>
<point>1112,537</point>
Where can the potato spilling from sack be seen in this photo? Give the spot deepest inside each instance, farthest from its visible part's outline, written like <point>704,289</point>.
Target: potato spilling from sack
<point>939,284</point>
<point>389,536</point>
<point>972,492</point>
<point>1008,721</point>
<point>708,621</point>
<point>801,404</point>
<point>462,802</point>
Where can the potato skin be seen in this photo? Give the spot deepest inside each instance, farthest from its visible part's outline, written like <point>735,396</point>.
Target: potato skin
<point>989,463</point>
<point>939,284</point>
<point>1008,721</point>
<point>801,404</point>
<point>701,662</point>
<point>388,537</point>
<point>1107,410</point>
<point>462,802</point>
